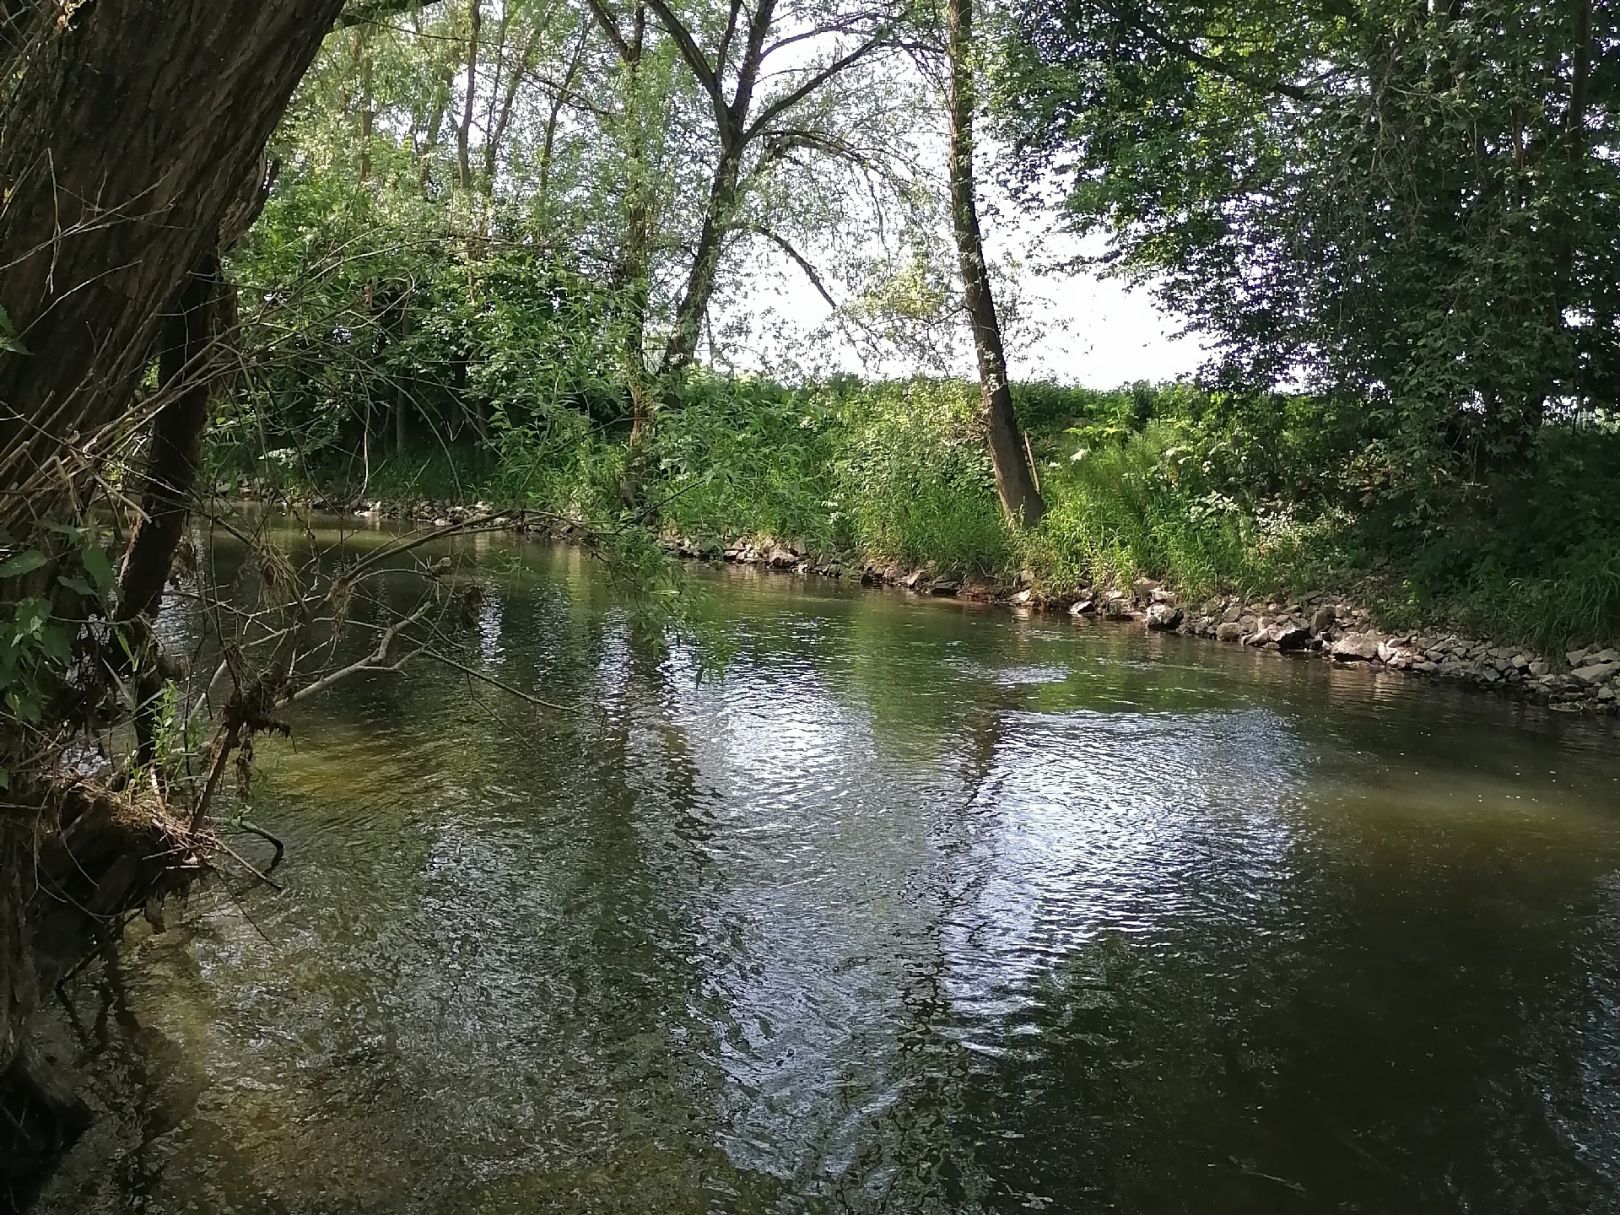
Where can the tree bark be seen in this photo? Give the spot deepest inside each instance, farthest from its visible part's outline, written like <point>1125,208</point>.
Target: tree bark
<point>170,479</point>
<point>475,22</point>
<point>1015,481</point>
<point>134,126</point>
<point>368,111</point>
<point>131,129</point>
<point>681,348</point>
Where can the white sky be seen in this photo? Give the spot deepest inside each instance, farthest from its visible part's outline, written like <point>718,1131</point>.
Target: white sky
<point>1076,326</point>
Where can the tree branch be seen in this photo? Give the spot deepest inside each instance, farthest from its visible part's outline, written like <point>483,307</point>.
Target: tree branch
<point>799,259</point>
<point>788,100</point>
<point>374,12</point>
<point>1190,53</point>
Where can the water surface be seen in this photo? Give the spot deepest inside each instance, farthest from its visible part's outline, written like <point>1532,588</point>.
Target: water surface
<point>919,908</point>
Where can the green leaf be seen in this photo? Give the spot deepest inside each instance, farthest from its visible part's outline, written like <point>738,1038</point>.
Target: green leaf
<point>77,585</point>
<point>25,562</point>
<point>99,566</point>
<point>9,341</point>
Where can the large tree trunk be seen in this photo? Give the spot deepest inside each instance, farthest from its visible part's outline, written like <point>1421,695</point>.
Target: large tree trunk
<point>132,126</point>
<point>1015,481</point>
<point>135,124</point>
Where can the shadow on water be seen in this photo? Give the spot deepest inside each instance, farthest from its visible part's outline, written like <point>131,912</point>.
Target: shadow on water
<point>919,908</point>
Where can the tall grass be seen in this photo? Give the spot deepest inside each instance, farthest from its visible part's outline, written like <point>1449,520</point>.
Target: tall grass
<point>1210,492</point>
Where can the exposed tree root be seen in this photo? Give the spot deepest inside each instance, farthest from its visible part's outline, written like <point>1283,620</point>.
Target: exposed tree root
<point>89,860</point>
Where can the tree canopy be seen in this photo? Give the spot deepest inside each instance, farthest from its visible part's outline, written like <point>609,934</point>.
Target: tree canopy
<point>1412,206</point>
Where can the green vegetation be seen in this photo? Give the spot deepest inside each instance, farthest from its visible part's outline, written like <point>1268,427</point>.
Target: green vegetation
<point>1396,228</point>
<point>1213,492</point>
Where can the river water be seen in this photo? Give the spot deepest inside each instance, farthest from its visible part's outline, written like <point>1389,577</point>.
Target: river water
<point>916,908</point>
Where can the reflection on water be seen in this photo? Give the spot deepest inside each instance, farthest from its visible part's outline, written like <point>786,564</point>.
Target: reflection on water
<point>917,909</point>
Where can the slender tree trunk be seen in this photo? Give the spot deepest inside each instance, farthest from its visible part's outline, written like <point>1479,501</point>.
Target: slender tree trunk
<point>368,113</point>
<point>170,479</point>
<point>475,23</point>
<point>1015,482</point>
<point>548,142</point>
<point>681,348</point>
<point>168,485</point>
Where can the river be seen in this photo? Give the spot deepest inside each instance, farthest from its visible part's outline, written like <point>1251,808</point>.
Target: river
<point>917,907</point>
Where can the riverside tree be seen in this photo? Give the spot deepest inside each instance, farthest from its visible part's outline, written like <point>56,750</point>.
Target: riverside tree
<point>1414,208</point>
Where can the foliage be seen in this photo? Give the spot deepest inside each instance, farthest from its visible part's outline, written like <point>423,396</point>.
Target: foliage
<point>1408,207</point>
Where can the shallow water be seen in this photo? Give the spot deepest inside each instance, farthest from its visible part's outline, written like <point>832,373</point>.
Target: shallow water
<point>918,908</point>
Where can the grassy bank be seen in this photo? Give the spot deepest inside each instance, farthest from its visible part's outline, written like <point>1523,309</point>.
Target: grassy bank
<point>1208,491</point>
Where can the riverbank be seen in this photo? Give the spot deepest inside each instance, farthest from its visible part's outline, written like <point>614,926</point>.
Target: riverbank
<point>1273,499</point>
<point>1319,623</point>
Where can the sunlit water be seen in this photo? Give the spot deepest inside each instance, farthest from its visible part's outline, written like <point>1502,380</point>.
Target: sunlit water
<point>918,908</point>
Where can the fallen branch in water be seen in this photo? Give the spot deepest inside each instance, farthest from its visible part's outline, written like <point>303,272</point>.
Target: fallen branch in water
<point>474,673</point>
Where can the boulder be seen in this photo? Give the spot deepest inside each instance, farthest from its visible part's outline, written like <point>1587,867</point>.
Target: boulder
<point>1290,637</point>
<point>1356,647</point>
<point>1142,590</point>
<point>1596,673</point>
<point>1159,595</point>
<point>1082,607</point>
<point>1163,617</point>
<point>1117,606</point>
<point>1539,669</point>
<point>944,586</point>
<point>1229,630</point>
<point>779,558</point>
<point>914,579</point>
<point>1323,619</point>
<point>1602,656</point>
<point>1021,598</point>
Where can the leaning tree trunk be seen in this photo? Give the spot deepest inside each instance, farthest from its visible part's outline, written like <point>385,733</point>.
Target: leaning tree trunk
<point>130,126</point>
<point>133,125</point>
<point>1015,481</point>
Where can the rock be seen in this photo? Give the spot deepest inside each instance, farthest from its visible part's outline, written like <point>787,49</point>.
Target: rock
<point>780,558</point>
<point>1142,590</point>
<point>1606,694</point>
<point>1229,630</point>
<point>1159,595</point>
<point>1602,656</point>
<point>1356,647</point>
<point>1291,637</point>
<point>914,579</point>
<point>1163,617</point>
<point>1082,607</point>
<point>1597,672</point>
<point>1232,614</point>
<point>1323,619</point>
<point>1577,658</point>
<point>1539,669</point>
<point>944,586</point>
<point>1021,598</point>
<point>1389,651</point>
